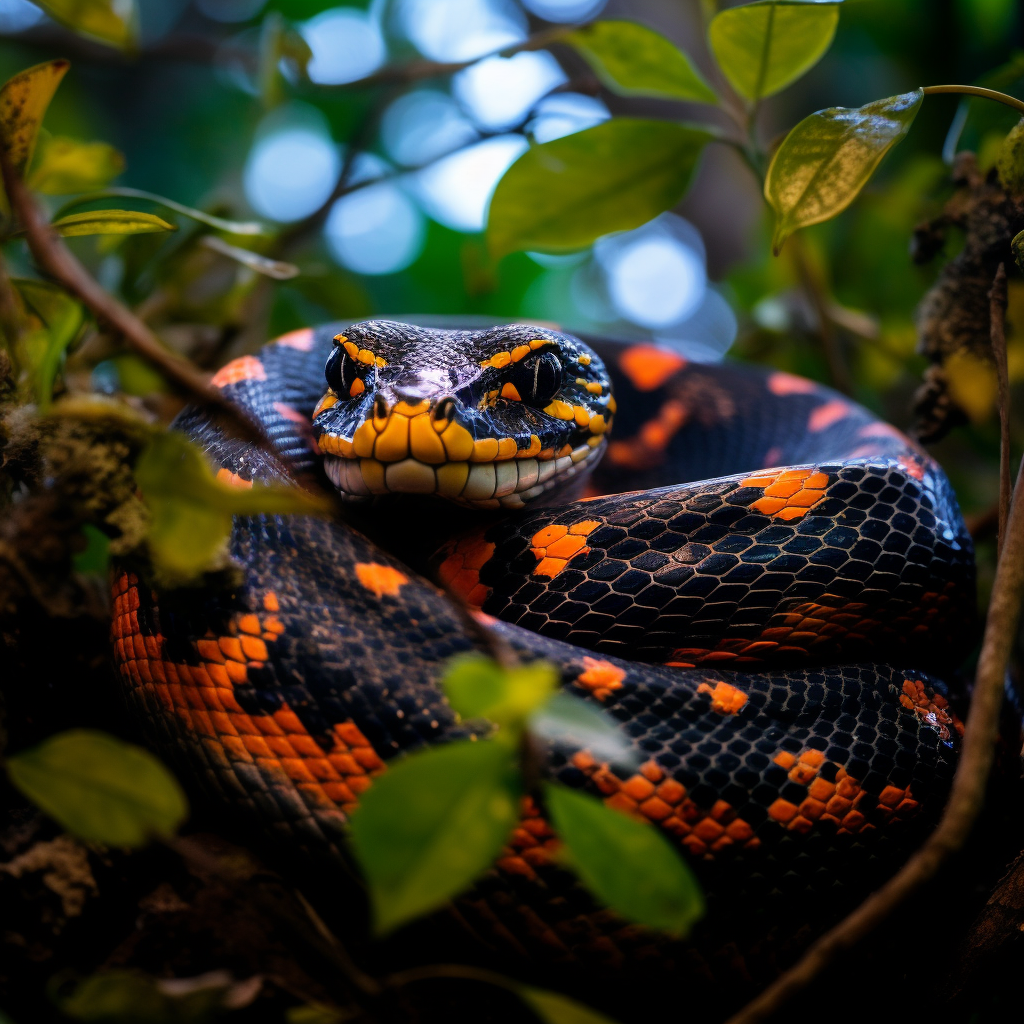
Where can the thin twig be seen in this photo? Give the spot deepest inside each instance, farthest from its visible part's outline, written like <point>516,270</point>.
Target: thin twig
<point>975,90</point>
<point>966,796</point>
<point>997,330</point>
<point>55,259</point>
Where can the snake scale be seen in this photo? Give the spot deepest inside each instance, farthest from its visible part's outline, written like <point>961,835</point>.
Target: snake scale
<point>775,638</point>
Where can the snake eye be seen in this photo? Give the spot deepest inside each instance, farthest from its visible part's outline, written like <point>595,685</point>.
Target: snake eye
<point>537,378</point>
<point>344,374</point>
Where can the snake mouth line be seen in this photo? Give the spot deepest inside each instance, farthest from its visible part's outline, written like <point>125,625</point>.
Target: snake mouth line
<point>506,484</point>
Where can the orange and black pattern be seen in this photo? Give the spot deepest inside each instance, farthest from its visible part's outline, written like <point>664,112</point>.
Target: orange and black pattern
<point>769,638</point>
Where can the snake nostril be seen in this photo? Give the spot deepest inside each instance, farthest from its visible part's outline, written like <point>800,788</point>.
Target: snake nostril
<point>444,410</point>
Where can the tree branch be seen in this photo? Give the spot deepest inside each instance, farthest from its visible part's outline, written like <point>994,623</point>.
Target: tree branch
<point>997,329</point>
<point>966,796</point>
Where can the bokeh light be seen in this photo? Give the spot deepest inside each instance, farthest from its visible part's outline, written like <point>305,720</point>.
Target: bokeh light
<point>347,45</point>
<point>460,30</point>
<point>655,274</point>
<point>423,125</point>
<point>457,189</point>
<point>565,113</point>
<point>564,10</point>
<point>375,230</point>
<point>498,92</point>
<point>293,166</point>
<point>707,334</point>
<point>18,15</point>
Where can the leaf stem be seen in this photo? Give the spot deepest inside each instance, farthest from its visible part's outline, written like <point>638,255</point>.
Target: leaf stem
<point>997,298</point>
<point>975,90</point>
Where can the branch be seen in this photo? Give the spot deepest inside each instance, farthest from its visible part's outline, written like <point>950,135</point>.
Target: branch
<point>975,90</point>
<point>966,796</point>
<point>54,258</point>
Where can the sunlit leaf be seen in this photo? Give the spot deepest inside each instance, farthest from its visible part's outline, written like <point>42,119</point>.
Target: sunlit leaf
<point>130,997</point>
<point>100,788</point>
<point>24,100</point>
<point>66,166</point>
<point>826,160</point>
<point>478,687</point>
<point>431,824</point>
<point>762,47</point>
<point>277,269</point>
<point>568,719</point>
<point>554,1008</point>
<point>627,864</point>
<point>191,510</point>
<point>231,227</point>
<point>109,21</point>
<point>94,558</point>
<point>634,60</point>
<point>62,317</point>
<point>110,222</point>
<point>560,196</point>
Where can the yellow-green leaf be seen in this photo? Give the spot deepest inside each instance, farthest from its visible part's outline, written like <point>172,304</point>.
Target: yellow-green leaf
<point>762,47</point>
<point>1010,164</point>
<point>66,166</point>
<point>24,100</point>
<point>431,824</point>
<point>560,196</point>
<point>191,510</point>
<point>110,222</point>
<point>100,788</point>
<point>62,317</point>
<point>114,22</point>
<point>554,1008</point>
<point>826,160</point>
<point>279,270</point>
<point>478,687</point>
<point>628,864</point>
<point>634,60</point>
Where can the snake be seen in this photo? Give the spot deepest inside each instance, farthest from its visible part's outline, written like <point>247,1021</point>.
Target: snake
<point>764,585</point>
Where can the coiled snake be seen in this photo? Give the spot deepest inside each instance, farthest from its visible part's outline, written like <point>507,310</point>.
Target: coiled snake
<point>766,635</point>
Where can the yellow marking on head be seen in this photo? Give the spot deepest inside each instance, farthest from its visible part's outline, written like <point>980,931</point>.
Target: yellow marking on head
<point>595,440</point>
<point>383,580</point>
<point>485,450</point>
<point>613,406</point>
<point>538,343</point>
<point>363,439</point>
<point>584,360</point>
<point>327,402</point>
<point>423,440</point>
<point>365,356</point>
<point>340,339</point>
<point>458,442</point>
<point>509,391</point>
<point>594,388</point>
<point>520,352</point>
<point>451,478</point>
<point>597,424</point>
<point>352,349</point>
<point>507,449</point>
<point>373,474</point>
<point>410,409</point>
<point>566,449</point>
<point>357,388</point>
<point>498,360</point>
<point>546,455</point>
<point>532,451</point>
<point>393,442</point>
<point>560,410</point>
<point>337,446</point>
<point>581,414</point>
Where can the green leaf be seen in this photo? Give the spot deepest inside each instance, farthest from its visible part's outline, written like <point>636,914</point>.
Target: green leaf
<point>826,160</point>
<point>94,559</point>
<point>569,719</point>
<point>1010,164</point>
<point>100,788</point>
<point>634,60</point>
<point>762,47</point>
<point>114,22</point>
<point>24,100</point>
<point>191,510</point>
<point>110,222</point>
<point>231,227</point>
<point>554,1008</point>
<point>477,687</point>
<point>1017,248</point>
<point>560,196</point>
<point>67,166</point>
<point>627,864</point>
<point>277,269</point>
<point>62,317</point>
<point>433,823</point>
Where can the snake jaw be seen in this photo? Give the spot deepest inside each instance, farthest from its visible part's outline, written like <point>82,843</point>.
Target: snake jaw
<point>488,419</point>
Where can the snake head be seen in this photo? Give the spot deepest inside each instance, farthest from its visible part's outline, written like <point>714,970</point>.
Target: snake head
<point>489,418</point>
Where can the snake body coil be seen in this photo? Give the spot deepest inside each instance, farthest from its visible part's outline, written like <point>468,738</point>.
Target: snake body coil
<point>767,636</point>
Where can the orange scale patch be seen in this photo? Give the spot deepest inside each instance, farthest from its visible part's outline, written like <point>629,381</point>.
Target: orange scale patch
<point>460,570</point>
<point>647,448</point>
<point>649,367</point>
<point>933,710</point>
<point>225,476</point>
<point>725,698</point>
<point>600,677</point>
<point>826,414</point>
<point>788,494</point>
<point>302,339</point>
<point>780,383</point>
<point>382,580</point>
<point>555,546</point>
<point>238,370</point>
